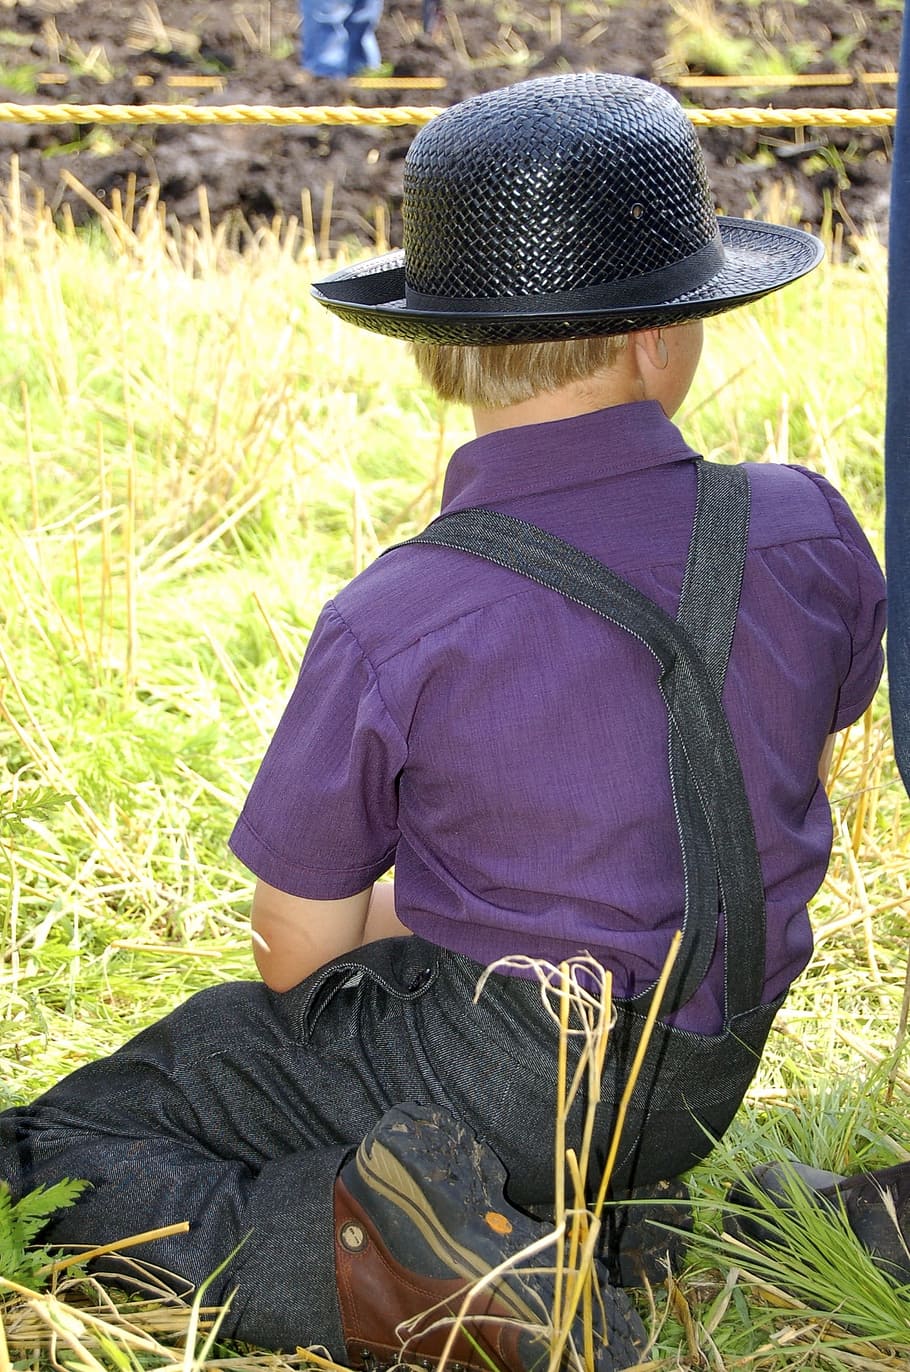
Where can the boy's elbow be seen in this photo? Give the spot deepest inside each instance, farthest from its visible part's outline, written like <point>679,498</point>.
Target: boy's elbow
<point>293,936</point>
<point>276,981</point>
<point>270,969</point>
<point>279,967</point>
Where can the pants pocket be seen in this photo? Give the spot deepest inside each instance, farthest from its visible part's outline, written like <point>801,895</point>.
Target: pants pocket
<point>405,968</point>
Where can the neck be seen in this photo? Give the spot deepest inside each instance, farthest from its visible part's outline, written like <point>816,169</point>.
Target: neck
<point>615,387</point>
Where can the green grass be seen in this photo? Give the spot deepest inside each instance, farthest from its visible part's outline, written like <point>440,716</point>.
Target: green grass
<point>192,458</point>
<point>21,78</point>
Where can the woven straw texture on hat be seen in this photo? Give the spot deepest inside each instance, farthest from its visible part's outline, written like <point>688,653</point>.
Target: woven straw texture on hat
<point>560,208</point>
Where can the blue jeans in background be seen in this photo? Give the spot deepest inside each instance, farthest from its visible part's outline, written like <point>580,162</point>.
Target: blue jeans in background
<point>897,426</point>
<point>339,36</point>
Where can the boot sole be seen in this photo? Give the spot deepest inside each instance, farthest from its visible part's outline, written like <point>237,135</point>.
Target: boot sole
<point>419,1175</point>
<point>385,1174</point>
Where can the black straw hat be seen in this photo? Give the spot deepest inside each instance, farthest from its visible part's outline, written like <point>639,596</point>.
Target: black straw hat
<point>558,208</point>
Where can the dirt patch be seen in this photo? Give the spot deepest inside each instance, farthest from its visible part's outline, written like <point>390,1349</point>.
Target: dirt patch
<point>350,179</point>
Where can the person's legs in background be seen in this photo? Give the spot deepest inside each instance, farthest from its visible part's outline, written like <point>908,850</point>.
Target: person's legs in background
<point>431,15</point>
<point>339,36</point>
<point>875,1204</point>
<point>363,49</point>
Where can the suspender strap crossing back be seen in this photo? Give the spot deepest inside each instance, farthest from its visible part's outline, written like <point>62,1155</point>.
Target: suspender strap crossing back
<point>714,821</point>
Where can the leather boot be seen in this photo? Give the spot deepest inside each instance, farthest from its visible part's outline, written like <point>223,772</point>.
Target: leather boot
<point>420,1217</point>
<point>644,1233</point>
<point>882,1230</point>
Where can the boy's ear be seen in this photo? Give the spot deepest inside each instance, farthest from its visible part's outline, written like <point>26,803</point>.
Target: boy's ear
<point>652,348</point>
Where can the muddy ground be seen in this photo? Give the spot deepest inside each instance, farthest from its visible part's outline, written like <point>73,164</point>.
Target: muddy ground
<point>137,51</point>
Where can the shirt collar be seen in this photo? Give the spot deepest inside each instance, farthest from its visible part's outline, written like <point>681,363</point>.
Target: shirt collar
<point>538,458</point>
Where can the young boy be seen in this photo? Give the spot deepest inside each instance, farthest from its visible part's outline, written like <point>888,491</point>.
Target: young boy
<point>542,786</point>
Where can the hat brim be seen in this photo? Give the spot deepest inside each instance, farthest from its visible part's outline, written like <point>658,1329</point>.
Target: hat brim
<point>758,258</point>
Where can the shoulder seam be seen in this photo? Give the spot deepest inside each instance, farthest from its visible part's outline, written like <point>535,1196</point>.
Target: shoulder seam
<point>332,608</point>
<point>527,588</point>
<point>438,628</point>
<point>816,537</point>
<point>819,485</point>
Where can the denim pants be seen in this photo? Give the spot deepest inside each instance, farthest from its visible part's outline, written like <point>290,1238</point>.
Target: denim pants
<point>339,36</point>
<point>897,423</point>
<point>236,1111</point>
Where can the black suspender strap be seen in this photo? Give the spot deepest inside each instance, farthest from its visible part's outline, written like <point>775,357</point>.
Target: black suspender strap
<point>716,832</point>
<point>707,610</point>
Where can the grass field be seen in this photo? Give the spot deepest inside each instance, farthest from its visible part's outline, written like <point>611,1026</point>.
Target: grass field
<point>192,458</point>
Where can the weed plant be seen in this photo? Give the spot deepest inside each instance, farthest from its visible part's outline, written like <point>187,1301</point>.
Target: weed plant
<point>192,458</point>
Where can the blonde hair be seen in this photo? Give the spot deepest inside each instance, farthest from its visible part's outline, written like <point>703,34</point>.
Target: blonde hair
<point>498,375</point>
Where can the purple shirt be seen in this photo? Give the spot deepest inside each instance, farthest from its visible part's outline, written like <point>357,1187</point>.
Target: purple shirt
<point>506,749</point>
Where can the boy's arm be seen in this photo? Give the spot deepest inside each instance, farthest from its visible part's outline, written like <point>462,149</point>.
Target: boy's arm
<point>824,763</point>
<point>293,937</point>
<point>382,921</point>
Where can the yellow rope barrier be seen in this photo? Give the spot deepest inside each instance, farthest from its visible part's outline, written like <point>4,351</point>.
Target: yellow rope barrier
<point>276,115</point>
<point>793,119</point>
<point>314,115</point>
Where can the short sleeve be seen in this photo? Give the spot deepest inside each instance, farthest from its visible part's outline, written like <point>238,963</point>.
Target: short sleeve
<point>321,818</point>
<point>864,610</point>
